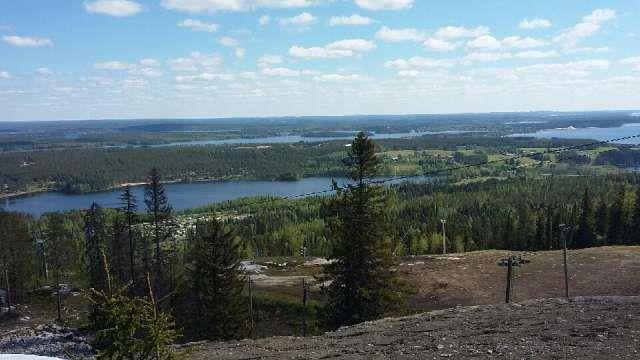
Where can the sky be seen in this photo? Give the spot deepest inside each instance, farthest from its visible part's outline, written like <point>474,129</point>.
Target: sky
<point>114,59</point>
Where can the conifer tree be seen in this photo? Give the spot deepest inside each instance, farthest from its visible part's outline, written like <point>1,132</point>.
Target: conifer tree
<point>158,207</point>
<point>618,219</point>
<point>363,285</point>
<point>586,234</point>
<point>129,207</point>
<point>602,219</point>
<point>635,224</point>
<point>95,234</point>
<point>59,252</point>
<point>213,302</point>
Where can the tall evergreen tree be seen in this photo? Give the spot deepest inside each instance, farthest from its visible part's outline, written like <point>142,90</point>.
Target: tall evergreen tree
<point>60,252</point>
<point>586,234</point>
<point>17,255</point>
<point>363,285</point>
<point>158,207</point>
<point>602,219</point>
<point>618,219</point>
<point>213,301</point>
<point>95,234</point>
<point>635,223</point>
<point>129,207</point>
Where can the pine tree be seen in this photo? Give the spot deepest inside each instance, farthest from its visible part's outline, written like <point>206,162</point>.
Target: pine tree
<point>129,207</point>
<point>158,206</point>
<point>213,302</point>
<point>363,285</point>
<point>95,234</point>
<point>586,234</point>
<point>59,252</point>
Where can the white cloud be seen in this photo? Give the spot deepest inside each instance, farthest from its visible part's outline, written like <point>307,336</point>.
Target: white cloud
<point>197,25</point>
<point>44,71</point>
<point>112,65</point>
<point>303,19</point>
<point>522,43</point>
<point>633,61</point>
<point>206,77</point>
<point>398,35</point>
<point>281,71</point>
<point>211,6</point>
<point>5,75</point>
<point>240,53</point>
<point>338,49</point>
<point>536,54</point>
<point>385,4</point>
<point>534,24</point>
<point>484,42</point>
<point>353,20</point>
<point>228,41</point>
<point>440,45</point>
<point>419,62</point>
<point>149,62</point>
<point>147,72</point>
<point>458,32</point>
<point>264,19</point>
<point>487,56</point>
<point>268,60</point>
<point>194,62</point>
<point>590,25</point>
<point>117,8</point>
<point>339,78</point>
<point>25,41</point>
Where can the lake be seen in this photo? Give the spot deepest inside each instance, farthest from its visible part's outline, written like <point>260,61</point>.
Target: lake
<point>181,195</point>
<point>290,139</point>
<point>595,133</point>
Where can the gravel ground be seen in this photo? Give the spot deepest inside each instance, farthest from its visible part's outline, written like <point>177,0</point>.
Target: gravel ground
<point>578,328</point>
<point>46,340</point>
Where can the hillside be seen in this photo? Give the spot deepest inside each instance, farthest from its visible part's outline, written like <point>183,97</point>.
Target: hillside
<point>584,327</point>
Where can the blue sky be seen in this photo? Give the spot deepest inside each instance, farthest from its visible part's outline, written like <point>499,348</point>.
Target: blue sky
<point>99,59</point>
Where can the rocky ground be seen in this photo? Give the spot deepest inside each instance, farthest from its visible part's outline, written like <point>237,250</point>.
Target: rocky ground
<point>46,340</point>
<point>579,328</point>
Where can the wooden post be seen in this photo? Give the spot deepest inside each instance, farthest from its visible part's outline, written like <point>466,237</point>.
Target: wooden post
<point>304,308</point>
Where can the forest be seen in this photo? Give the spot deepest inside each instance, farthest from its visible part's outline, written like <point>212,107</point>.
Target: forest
<point>179,272</point>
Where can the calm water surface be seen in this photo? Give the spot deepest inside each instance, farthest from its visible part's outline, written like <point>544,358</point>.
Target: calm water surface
<point>595,133</point>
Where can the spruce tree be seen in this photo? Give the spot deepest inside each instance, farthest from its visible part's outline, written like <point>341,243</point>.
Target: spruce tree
<point>129,207</point>
<point>602,219</point>
<point>363,285</point>
<point>158,207</point>
<point>95,234</point>
<point>618,219</point>
<point>59,252</point>
<point>213,304</point>
<point>586,234</point>
<point>635,223</point>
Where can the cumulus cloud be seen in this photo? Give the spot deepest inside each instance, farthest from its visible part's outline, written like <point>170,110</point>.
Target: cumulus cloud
<point>44,71</point>
<point>399,35</point>
<point>353,20</point>
<point>303,19</point>
<point>281,71</point>
<point>590,25</point>
<point>633,61</point>
<point>339,78</point>
<point>4,75</point>
<point>228,41</point>
<point>522,43</point>
<point>26,41</point>
<point>264,19</point>
<point>484,42</point>
<point>440,45</point>
<point>112,65</point>
<point>198,6</point>
<point>117,8</point>
<point>534,24</point>
<point>269,60</point>
<point>197,25</point>
<point>338,49</point>
<point>385,4</point>
<point>418,62</point>
<point>195,62</point>
<point>459,32</point>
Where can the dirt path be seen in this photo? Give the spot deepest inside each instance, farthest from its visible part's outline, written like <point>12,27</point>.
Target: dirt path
<point>587,328</point>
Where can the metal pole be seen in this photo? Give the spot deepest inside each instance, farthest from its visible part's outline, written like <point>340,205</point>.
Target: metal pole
<point>444,237</point>
<point>564,229</point>
<point>6,274</point>
<point>304,308</point>
<point>251,307</point>
<point>509,275</point>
